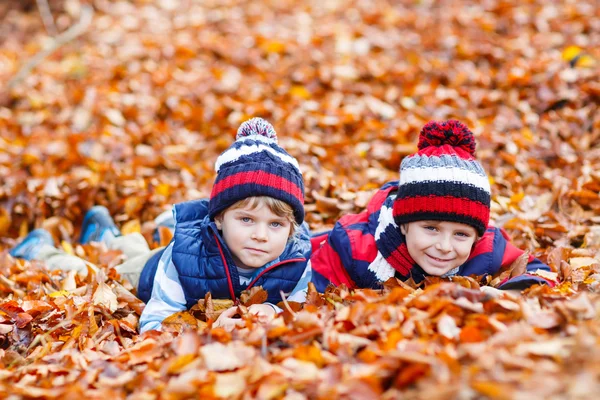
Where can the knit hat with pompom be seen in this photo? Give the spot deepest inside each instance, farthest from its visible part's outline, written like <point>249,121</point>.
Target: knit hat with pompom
<point>443,181</point>
<point>255,165</point>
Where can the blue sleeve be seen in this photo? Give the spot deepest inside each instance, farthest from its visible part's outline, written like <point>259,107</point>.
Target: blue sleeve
<point>320,282</point>
<point>167,294</point>
<point>299,292</point>
<point>536,264</point>
<point>526,280</point>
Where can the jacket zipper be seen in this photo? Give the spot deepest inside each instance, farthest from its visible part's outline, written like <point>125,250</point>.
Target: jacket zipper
<point>272,267</point>
<point>229,282</point>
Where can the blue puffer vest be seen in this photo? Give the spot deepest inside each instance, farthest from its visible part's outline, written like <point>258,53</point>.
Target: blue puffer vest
<point>204,263</point>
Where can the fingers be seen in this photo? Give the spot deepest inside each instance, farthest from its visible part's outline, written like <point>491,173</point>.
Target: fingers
<point>229,313</point>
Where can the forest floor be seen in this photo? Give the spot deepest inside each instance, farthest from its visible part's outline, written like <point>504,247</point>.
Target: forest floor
<point>134,100</point>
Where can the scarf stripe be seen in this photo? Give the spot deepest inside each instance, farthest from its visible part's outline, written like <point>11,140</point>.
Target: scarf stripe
<point>391,243</point>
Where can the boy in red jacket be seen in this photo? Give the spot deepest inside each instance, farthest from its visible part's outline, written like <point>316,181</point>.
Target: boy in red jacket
<point>434,221</point>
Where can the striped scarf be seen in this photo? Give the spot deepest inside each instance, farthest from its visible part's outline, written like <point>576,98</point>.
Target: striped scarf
<point>392,255</point>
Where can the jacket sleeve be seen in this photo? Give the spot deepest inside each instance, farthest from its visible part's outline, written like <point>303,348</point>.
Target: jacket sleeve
<point>299,292</point>
<point>520,282</point>
<point>331,261</point>
<point>167,294</point>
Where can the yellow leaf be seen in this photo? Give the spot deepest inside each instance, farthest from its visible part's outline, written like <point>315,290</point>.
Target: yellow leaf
<point>132,205</point>
<point>300,91</point>
<point>527,134</point>
<point>273,46</point>
<point>570,52</point>
<point>74,334</point>
<point>586,61</point>
<point>59,293</point>
<point>163,189</point>
<point>179,321</point>
<point>180,362</point>
<point>67,247</point>
<point>132,226</point>
<point>578,58</point>
<point>491,389</point>
<point>517,197</point>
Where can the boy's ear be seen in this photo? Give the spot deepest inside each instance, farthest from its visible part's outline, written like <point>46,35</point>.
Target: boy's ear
<point>403,229</point>
<point>218,222</point>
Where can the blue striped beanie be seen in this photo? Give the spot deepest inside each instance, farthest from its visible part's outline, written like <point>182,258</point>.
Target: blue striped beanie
<point>443,181</point>
<point>255,165</point>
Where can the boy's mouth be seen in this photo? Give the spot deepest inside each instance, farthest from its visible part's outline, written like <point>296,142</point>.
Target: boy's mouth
<point>253,250</point>
<point>439,259</point>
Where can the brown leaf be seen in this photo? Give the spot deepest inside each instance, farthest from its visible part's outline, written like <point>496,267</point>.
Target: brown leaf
<point>256,295</point>
<point>209,309</point>
<point>519,266</point>
<point>179,322</point>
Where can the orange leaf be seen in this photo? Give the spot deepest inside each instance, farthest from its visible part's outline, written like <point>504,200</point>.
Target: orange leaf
<point>256,295</point>
<point>179,322</point>
<point>470,334</point>
<point>519,266</point>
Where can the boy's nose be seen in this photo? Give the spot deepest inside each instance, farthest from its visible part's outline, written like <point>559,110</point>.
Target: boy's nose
<point>260,233</point>
<point>443,244</point>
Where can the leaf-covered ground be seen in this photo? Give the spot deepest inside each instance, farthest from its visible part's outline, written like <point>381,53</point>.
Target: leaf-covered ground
<point>132,114</point>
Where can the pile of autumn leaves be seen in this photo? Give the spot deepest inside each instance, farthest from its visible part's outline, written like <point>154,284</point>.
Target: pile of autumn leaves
<point>64,336</point>
<point>132,115</point>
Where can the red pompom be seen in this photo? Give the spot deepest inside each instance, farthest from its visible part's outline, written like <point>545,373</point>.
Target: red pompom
<point>451,132</point>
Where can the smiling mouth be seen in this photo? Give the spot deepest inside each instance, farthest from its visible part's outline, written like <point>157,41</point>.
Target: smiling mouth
<point>438,259</point>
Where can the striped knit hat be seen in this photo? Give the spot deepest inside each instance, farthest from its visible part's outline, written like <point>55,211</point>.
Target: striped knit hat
<point>254,165</point>
<point>443,181</point>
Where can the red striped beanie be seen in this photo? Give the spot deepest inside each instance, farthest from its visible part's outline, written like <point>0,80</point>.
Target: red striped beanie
<point>443,181</point>
<point>255,165</point>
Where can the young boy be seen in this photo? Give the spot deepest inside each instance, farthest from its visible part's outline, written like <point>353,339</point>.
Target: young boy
<point>434,221</point>
<point>249,233</point>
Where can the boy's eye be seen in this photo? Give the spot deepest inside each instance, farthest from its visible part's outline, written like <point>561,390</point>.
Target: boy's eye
<point>276,224</point>
<point>246,219</point>
<point>430,228</point>
<point>463,234</point>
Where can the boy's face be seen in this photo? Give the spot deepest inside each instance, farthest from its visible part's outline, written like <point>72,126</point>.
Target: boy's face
<point>439,246</point>
<point>254,236</point>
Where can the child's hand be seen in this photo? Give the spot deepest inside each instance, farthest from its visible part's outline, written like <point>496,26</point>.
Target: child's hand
<point>226,320</point>
<point>265,312</point>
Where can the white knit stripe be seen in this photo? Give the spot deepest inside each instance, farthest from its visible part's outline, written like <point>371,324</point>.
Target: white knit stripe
<point>448,161</point>
<point>234,154</point>
<point>386,218</point>
<point>256,138</point>
<point>444,174</point>
<point>381,268</point>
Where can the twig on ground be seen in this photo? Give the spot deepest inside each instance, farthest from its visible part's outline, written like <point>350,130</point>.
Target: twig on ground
<point>286,304</point>
<point>74,31</point>
<point>47,17</point>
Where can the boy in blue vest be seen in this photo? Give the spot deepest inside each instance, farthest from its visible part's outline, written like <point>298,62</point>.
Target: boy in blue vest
<point>434,221</point>
<point>249,233</point>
